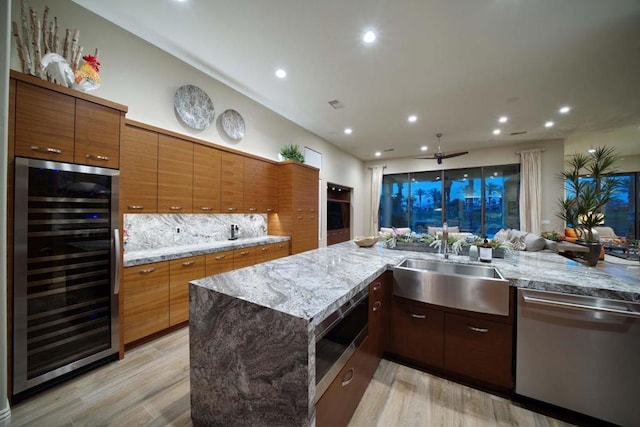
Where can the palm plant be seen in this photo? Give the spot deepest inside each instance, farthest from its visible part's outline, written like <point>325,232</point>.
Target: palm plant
<point>585,198</point>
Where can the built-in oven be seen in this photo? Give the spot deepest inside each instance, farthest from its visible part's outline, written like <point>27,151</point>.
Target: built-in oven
<point>338,337</point>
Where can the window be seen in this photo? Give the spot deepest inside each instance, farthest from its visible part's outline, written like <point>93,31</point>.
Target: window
<point>478,200</point>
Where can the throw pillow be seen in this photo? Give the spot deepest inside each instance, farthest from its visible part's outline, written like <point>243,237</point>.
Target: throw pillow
<point>519,243</point>
<point>534,243</point>
<point>502,235</point>
<point>570,232</point>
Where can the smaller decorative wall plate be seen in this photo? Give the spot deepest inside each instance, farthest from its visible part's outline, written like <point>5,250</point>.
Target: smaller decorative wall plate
<point>233,124</point>
<point>194,107</point>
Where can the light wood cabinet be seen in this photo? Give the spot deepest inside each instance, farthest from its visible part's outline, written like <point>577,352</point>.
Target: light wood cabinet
<point>232,183</point>
<point>175,175</point>
<point>297,206</point>
<point>269,188</point>
<point>145,300</point>
<point>45,123</point>
<point>253,179</point>
<point>139,171</point>
<point>97,140</point>
<point>206,179</point>
<point>181,272</point>
<point>219,262</point>
<point>244,257</point>
<point>271,251</point>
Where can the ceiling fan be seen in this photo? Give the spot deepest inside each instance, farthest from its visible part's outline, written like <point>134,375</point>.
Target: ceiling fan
<point>440,155</point>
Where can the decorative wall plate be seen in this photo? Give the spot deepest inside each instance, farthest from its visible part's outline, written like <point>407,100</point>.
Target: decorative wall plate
<point>232,124</point>
<point>194,107</point>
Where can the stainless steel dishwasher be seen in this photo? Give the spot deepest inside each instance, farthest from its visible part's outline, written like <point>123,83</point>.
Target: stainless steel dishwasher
<point>580,353</point>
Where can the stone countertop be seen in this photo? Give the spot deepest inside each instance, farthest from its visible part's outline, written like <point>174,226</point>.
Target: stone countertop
<point>311,285</point>
<point>174,252</point>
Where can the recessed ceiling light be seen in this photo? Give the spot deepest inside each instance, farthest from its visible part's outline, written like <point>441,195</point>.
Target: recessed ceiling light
<point>369,37</point>
<point>280,73</point>
<point>549,124</point>
<point>412,118</point>
<point>496,131</point>
<point>592,150</point>
<point>424,148</point>
<point>378,154</point>
<point>564,110</point>
<point>465,175</point>
<point>503,119</point>
<point>495,174</point>
<point>348,131</point>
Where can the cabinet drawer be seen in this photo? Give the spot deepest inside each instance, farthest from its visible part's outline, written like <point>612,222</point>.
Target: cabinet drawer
<point>417,332</point>
<point>181,272</point>
<point>339,402</point>
<point>244,257</point>
<point>219,262</point>
<point>479,348</point>
<point>145,300</point>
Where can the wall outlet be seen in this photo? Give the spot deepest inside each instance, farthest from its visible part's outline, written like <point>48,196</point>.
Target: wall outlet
<point>178,230</point>
<point>545,222</point>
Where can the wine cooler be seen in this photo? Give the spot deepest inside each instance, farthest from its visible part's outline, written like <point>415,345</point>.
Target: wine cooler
<point>65,302</point>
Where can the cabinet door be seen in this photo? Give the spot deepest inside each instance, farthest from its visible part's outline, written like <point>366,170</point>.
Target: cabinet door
<point>232,183</point>
<point>479,348</point>
<point>44,126</point>
<point>206,179</point>
<point>379,305</point>
<point>244,257</point>
<point>145,300</point>
<point>97,139</point>
<point>181,272</point>
<point>252,185</point>
<point>175,175</point>
<point>139,171</point>
<point>283,249</point>
<point>417,332</point>
<point>270,185</point>
<point>219,262</point>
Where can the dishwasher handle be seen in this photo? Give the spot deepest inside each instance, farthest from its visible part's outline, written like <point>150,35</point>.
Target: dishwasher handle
<point>575,306</point>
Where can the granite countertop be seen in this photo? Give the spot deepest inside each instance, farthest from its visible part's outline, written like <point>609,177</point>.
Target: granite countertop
<point>311,285</point>
<point>166,253</point>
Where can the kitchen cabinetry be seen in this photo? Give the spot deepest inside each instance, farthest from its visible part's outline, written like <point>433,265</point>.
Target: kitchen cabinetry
<point>232,183</point>
<point>269,188</point>
<point>57,123</point>
<point>298,206</point>
<point>379,315</point>
<point>139,171</point>
<point>219,262</point>
<point>206,179</point>
<point>244,257</point>
<point>145,300</point>
<point>271,251</point>
<point>175,175</point>
<point>475,346</point>
<point>253,178</point>
<point>181,272</point>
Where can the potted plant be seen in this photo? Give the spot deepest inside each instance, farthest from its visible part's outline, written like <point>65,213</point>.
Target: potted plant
<point>291,152</point>
<point>589,187</point>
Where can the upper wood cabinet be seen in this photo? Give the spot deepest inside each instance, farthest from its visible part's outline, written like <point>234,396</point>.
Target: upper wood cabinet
<point>56,123</point>
<point>253,179</point>
<point>139,171</point>
<point>175,175</point>
<point>232,183</point>
<point>206,179</point>
<point>269,188</point>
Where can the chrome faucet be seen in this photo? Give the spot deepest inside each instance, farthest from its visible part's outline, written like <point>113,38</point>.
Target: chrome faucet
<point>445,241</point>
<point>234,230</point>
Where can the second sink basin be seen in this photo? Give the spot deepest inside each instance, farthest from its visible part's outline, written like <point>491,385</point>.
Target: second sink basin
<point>464,286</point>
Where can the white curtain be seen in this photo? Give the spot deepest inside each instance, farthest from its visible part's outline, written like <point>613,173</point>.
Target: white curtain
<point>530,190</point>
<point>376,185</point>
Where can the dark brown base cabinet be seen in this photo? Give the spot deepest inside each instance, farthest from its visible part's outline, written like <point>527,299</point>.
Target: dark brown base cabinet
<point>477,348</point>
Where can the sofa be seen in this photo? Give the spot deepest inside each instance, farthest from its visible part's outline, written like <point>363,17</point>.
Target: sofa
<point>525,241</point>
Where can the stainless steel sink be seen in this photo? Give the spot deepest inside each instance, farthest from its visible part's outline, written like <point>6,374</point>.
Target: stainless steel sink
<point>476,288</point>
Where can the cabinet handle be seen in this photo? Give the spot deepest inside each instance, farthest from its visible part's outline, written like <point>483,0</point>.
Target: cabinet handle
<point>252,209</point>
<point>351,374</point>
<point>418,316</point>
<point>232,209</point>
<point>299,210</point>
<point>147,270</point>
<point>265,249</point>
<point>176,208</point>
<point>282,246</point>
<point>312,217</point>
<point>312,210</point>
<point>299,217</point>
<point>206,208</point>
<point>476,329</point>
<point>376,305</point>
<point>219,257</point>
<point>377,286</point>
<point>136,207</point>
<point>46,149</point>
<point>188,263</point>
<point>269,210</point>
<point>97,157</point>
<point>243,253</point>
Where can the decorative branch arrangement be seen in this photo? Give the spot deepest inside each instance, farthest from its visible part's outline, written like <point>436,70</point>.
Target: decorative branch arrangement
<point>39,51</point>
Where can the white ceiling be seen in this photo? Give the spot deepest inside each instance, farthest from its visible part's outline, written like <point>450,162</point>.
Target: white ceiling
<point>457,64</point>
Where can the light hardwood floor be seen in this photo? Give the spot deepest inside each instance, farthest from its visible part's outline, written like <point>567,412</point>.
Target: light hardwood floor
<point>150,387</point>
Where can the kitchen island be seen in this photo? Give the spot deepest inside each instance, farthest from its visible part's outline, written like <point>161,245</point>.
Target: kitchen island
<point>252,339</point>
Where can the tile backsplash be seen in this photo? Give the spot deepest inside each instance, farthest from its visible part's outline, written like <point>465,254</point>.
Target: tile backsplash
<point>151,231</point>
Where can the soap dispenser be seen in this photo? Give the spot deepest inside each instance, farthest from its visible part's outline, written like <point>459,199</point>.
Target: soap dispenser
<point>473,253</point>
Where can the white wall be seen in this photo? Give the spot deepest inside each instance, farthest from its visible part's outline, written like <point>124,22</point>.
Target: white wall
<point>145,78</point>
<point>552,164</point>
<point>626,141</point>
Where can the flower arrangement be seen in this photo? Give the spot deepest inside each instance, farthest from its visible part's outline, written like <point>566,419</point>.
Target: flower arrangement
<point>552,235</point>
<point>292,152</point>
